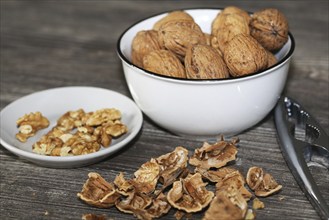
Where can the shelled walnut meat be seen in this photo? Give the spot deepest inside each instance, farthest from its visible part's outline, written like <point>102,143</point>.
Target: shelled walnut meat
<point>166,183</point>
<point>75,133</point>
<point>264,33</point>
<point>29,124</point>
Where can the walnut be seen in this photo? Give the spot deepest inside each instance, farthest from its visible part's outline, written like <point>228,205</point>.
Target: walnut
<point>244,55</point>
<point>80,144</point>
<point>29,124</point>
<point>174,15</point>
<point>235,196</point>
<point>262,183</point>
<point>165,63</point>
<point>236,180</point>
<point>236,10</point>
<point>158,208</point>
<point>219,22</point>
<point>190,194</point>
<point>216,155</point>
<point>227,25</point>
<point>204,62</point>
<point>133,202</point>
<point>257,204</point>
<point>144,42</point>
<point>98,192</point>
<point>70,120</point>
<point>103,116</point>
<point>215,175</point>
<point>222,208</point>
<point>250,215</point>
<point>146,177</point>
<point>254,177</point>
<point>178,35</point>
<point>123,186</point>
<point>172,165</point>
<point>272,60</point>
<point>270,28</point>
<point>91,216</point>
<point>48,145</point>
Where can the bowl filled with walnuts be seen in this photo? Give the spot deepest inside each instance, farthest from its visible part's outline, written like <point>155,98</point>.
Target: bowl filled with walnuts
<point>206,72</point>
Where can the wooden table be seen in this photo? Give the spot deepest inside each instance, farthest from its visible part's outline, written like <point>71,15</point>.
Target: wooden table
<point>47,44</point>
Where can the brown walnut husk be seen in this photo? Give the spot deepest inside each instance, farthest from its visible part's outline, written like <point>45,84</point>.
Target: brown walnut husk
<point>270,28</point>
<point>244,55</point>
<point>165,63</point>
<point>204,62</point>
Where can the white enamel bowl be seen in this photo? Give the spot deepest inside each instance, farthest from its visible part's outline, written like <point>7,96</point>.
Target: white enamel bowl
<point>203,107</point>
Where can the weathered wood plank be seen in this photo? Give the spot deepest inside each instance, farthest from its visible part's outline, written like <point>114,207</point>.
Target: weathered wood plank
<point>46,44</point>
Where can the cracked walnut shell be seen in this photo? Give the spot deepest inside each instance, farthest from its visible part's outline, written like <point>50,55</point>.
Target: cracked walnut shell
<point>98,192</point>
<point>222,208</point>
<point>270,28</point>
<point>190,194</point>
<point>146,177</point>
<point>262,183</point>
<point>204,62</point>
<point>216,155</point>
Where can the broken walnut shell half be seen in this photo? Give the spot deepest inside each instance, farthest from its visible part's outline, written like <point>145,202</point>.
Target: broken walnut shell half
<point>98,192</point>
<point>190,194</point>
<point>263,184</point>
<point>214,155</point>
<point>146,177</point>
<point>222,208</point>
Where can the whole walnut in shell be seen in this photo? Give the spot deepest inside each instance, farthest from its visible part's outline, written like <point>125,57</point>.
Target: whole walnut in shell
<point>178,35</point>
<point>143,43</point>
<point>244,55</point>
<point>270,28</point>
<point>165,63</point>
<point>174,15</point>
<point>217,22</point>
<point>272,60</point>
<point>226,26</point>
<point>204,62</point>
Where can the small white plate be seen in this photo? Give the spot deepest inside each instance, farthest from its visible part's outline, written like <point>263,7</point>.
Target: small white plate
<point>55,102</point>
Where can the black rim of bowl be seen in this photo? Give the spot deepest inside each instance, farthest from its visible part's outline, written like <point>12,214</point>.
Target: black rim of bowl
<point>123,57</point>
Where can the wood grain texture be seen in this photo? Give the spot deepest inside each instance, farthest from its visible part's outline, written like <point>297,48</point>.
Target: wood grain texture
<point>46,44</point>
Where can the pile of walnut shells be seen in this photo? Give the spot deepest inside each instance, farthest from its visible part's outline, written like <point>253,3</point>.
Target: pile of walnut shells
<point>239,44</point>
<point>168,182</point>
